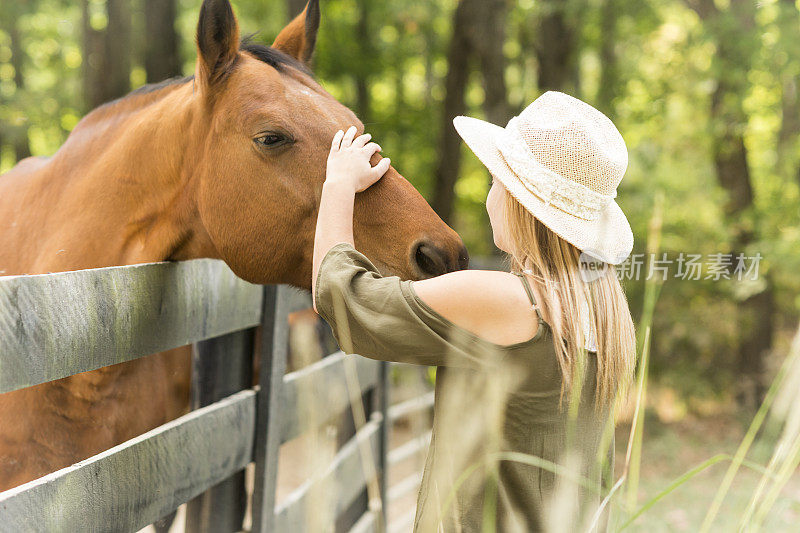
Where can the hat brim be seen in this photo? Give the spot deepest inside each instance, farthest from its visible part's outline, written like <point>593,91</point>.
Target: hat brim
<point>608,237</point>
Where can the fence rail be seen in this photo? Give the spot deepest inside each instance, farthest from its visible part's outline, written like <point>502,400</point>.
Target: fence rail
<point>326,379</point>
<point>141,480</point>
<point>56,325</point>
<point>345,477</point>
<point>405,459</point>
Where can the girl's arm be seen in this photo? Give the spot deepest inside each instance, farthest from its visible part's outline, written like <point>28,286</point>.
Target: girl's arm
<point>480,302</point>
<point>347,174</point>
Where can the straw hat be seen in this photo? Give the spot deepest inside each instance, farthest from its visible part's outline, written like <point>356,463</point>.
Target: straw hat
<point>562,159</point>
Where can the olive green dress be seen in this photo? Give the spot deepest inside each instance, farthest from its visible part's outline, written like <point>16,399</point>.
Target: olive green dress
<point>496,412</point>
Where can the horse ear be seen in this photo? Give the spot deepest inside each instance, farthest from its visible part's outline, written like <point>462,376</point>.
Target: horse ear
<point>217,41</point>
<point>299,36</point>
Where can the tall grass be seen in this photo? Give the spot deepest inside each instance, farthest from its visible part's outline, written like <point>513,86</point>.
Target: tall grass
<point>784,460</point>
<point>652,289</point>
<point>786,455</point>
<point>354,392</point>
<point>621,504</point>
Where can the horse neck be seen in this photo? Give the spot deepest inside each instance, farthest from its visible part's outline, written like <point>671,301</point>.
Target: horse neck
<point>126,181</point>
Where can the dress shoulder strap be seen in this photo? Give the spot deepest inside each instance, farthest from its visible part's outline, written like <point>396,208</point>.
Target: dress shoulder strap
<point>530,294</point>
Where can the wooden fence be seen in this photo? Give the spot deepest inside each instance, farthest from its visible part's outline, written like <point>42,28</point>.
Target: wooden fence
<point>56,325</point>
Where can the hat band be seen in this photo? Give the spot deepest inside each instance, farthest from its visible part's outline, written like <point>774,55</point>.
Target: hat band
<point>553,188</point>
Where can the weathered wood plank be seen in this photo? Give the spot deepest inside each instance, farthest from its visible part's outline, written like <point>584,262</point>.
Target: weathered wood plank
<point>404,523</point>
<point>272,357</point>
<point>409,449</point>
<point>220,367</point>
<point>381,405</point>
<point>366,524</point>
<point>141,480</point>
<point>298,299</point>
<point>404,487</point>
<point>344,480</point>
<point>418,403</point>
<point>319,391</point>
<point>56,325</point>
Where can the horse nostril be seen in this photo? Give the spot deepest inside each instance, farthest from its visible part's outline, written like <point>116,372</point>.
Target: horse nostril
<point>463,258</point>
<point>430,260</point>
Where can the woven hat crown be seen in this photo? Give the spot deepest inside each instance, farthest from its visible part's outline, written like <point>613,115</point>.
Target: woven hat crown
<point>575,140</point>
<point>562,160</point>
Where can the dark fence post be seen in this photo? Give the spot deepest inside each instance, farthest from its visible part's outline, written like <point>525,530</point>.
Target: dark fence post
<point>220,367</point>
<point>382,406</point>
<point>273,353</point>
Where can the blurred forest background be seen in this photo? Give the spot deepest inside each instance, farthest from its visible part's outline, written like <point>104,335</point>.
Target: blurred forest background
<point>705,93</point>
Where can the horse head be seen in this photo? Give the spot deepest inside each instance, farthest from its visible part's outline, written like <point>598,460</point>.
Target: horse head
<point>260,159</point>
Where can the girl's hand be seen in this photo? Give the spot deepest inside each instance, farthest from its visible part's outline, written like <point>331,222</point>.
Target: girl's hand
<point>348,161</point>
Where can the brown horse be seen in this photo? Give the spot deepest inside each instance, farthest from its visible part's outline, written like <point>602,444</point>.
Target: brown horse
<point>228,164</point>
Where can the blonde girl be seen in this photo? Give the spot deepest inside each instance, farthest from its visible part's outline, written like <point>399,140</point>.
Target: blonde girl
<point>528,361</point>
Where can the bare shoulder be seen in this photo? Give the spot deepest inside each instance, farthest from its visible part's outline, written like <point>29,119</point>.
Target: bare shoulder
<point>464,286</point>
<point>489,303</point>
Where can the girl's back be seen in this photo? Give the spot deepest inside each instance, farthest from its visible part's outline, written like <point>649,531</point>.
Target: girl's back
<point>499,427</point>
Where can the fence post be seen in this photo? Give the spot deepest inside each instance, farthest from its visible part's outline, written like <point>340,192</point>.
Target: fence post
<point>273,353</point>
<point>220,367</point>
<point>381,402</point>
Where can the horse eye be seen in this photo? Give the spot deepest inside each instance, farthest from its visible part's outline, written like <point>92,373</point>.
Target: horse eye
<point>270,139</point>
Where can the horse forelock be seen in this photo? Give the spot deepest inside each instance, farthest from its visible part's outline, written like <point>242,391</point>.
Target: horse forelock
<point>272,56</point>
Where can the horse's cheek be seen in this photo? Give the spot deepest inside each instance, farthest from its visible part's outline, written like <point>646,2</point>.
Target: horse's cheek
<point>238,218</point>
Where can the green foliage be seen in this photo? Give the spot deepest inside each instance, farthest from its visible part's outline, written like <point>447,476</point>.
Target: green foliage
<point>667,70</point>
<point>48,106</point>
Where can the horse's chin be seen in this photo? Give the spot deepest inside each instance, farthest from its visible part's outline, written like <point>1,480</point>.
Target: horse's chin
<point>300,278</point>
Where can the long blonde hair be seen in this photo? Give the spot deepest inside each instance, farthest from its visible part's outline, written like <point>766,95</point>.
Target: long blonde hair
<point>555,265</point>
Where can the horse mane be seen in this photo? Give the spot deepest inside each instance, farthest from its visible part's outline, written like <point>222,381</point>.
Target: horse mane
<point>153,87</point>
<point>272,56</point>
<point>266,54</point>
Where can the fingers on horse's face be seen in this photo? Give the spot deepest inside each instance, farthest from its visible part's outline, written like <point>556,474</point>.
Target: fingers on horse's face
<point>263,162</point>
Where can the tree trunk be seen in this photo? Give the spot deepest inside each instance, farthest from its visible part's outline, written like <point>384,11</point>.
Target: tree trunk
<point>118,48</point>
<point>489,38</point>
<point>162,54</point>
<point>478,31</point>
<point>789,133</point>
<point>733,31</point>
<point>363,38</point>
<point>609,75</point>
<point>555,47</point>
<point>430,75</point>
<point>526,62</point>
<point>107,54</point>
<point>400,109</point>
<point>790,111</point>
<point>756,318</point>
<point>449,163</point>
<point>488,42</point>
<point>92,61</point>
<point>20,133</point>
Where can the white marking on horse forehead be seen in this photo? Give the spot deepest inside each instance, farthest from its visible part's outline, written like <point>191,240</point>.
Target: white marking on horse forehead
<point>306,97</point>
<point>303,92</point>
<point>319,103</point>
<point>326,111</point>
